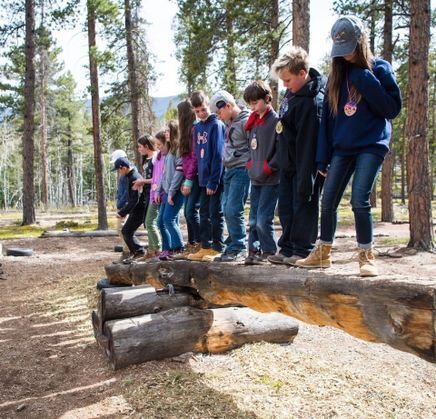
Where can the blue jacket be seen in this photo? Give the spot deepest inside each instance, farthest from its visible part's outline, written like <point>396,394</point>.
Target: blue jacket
<point>369,129</point>
<point>209,145</point>
<point>122,192</point>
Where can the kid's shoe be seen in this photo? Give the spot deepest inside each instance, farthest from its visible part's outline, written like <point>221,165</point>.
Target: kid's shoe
<point>210,254</point>
<point>166,255</point>
<point>179,254</point>
<point>231,257</point>
<point>367,263</point>
<point>257,259</point>
<point>197,256</point>
<point>278,259</point>
<point>320,257</point>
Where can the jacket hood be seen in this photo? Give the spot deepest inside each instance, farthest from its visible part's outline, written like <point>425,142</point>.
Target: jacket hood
<point>316,84</point>
<point>242,115</point>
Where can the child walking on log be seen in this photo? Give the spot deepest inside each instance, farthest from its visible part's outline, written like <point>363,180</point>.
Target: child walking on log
<point>362,97</point>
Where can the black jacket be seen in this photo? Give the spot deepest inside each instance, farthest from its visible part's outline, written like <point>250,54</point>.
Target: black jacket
<point>134,197</point>
<point>300,114</point>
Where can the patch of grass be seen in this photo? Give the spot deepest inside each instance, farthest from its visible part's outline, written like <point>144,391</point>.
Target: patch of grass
<point>18,232</point>
<point>269,381</point>
<point>392,241</point>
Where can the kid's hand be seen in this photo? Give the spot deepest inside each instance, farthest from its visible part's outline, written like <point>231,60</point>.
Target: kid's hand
<point>137,184</point>
<point>322,172</point>
<point>210,191</point>
<point>186,190</point>
<point>157,199</point>
<point>170,201</point>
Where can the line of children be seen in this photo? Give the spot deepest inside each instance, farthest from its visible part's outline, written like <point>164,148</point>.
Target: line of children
<point>286,157</point>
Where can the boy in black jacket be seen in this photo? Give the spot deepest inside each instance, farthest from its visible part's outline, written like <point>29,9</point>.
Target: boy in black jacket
<point>135,208</point>
<point>297,129</point>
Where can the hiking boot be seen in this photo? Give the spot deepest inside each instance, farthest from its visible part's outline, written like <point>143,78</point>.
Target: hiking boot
<point>278,259</point>
<point>231,257</point>
<point>320,257</point>
<point>179,254</point>
<point>210,254</point>
<point>367,263</point>
<point>198,256</point>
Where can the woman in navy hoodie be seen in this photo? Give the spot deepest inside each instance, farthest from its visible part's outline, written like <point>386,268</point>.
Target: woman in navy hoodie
<point>362,97</point>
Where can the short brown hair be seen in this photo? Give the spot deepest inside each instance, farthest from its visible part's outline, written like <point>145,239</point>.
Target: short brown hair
<point>295,60</point>
<point>199,98</point>
<point>257,90</point>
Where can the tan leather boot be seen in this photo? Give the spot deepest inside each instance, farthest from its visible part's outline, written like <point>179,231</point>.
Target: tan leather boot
<point>320,257</point>
<point>367,263</point>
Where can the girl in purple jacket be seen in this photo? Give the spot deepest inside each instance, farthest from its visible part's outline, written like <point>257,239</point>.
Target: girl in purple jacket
<point>190,188</point>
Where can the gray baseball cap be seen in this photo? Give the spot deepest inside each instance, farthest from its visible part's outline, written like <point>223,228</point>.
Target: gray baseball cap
<point>345,33</point>
<point>220,99</point>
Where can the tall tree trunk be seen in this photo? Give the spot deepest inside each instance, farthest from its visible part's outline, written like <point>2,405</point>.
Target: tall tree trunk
<point>301,23</point>
<point>133,85</point>
<point>29,216</point>
<point>96,128</point>
<point>387,210</point>
<point>419,191</point>
<point>230,72</point>
<point>403,161</point>
<point>69,169</point>
<point>274,51</point>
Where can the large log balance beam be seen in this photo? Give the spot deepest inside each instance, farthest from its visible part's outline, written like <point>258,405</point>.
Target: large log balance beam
<point>398,312</point>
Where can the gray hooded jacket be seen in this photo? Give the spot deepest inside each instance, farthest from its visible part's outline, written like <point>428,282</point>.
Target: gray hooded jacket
<point>236,148</point>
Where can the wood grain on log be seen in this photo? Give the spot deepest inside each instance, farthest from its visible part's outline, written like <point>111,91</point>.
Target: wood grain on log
<point>395,311</point>
<point>188,329</point>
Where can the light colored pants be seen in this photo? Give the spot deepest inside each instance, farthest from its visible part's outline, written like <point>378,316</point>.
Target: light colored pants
<point>154,241</point>
<point>120,223</point>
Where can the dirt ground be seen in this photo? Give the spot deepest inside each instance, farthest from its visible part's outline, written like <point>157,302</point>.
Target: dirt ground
<point>51,367</point>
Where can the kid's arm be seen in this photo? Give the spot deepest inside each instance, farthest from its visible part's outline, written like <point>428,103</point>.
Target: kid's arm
<point>216,164</point>
<point>379,89</point>
<point>324,146</point>
<point>177,178</point>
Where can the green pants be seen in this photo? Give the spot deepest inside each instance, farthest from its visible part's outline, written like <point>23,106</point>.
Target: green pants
<point>151,226</point>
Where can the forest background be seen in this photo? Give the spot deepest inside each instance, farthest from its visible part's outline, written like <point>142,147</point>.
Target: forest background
<point>55,142</point>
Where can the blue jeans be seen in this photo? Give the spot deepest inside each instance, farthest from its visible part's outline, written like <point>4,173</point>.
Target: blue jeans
<point>263,201</point>
<point>168,222</point>
<point>192,203</point>
<point>365,167</point>
<point>298,216</point>
<point>236,186</point>
<point>211,219</point>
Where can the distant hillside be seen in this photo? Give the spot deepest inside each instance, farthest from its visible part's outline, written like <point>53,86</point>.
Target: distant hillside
<point>160,104</point>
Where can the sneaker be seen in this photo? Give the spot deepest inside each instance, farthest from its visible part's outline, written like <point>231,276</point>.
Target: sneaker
<point>166,255</point>
<point>257,259</point>
<point>292,260</point>
<point>367,263</point>
<point>210,254</point>
<point>320,257</point>
<point>134,258</point>
<point>278,259</point>
<point>231,257</point>
<point>197,256</point>
<point>179,254</point>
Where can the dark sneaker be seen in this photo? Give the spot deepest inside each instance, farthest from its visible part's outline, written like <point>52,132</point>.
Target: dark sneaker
<point>231,257</point>
<point>256,260</point>
<point>292,260</point>
<point>278,259</point>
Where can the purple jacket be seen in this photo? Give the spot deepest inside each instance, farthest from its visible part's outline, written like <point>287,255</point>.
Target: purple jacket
<point>189,163</point>
<point>158,166</point>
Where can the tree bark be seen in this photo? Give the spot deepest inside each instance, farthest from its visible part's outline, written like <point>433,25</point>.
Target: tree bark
<point>43,115</point>
<point>133,85</point>
<point>301,23</point>
<point>419,191</point>
<point>70,172</point>
<point>96,127</point>
<point>187,329</point>
<point>274,51</point>
<point>29,216</point>
<point>387,209</point>
<point>393,311</point>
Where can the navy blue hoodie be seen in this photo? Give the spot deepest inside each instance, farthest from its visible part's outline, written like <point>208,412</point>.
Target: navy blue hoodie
<point>209,145</point>
<point>369,129</point>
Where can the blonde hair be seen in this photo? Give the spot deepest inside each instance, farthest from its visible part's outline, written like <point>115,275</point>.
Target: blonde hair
<point>338,69</point>
<point>295,60</point>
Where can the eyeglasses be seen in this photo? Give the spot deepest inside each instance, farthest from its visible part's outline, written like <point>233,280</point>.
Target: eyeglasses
<point>220,104</point>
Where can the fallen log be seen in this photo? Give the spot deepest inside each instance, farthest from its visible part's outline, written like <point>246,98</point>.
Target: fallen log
<point>89,233</point>
<point>121,303</point>
<point>395,311</point>
<point>188,329</point>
